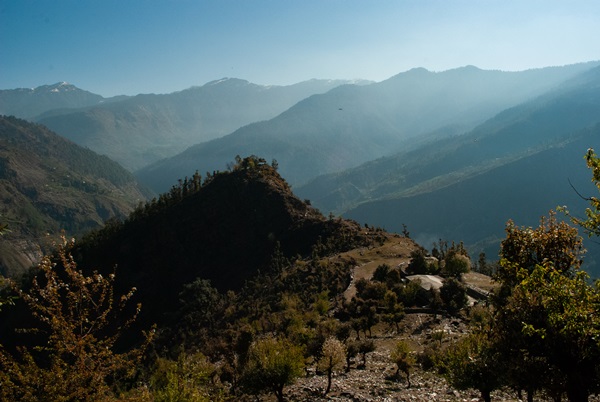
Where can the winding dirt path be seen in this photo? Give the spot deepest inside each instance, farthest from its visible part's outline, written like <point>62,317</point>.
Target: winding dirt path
<point>394,252</point>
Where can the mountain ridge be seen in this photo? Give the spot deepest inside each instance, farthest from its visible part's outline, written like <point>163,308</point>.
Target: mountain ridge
<point>141,129</point>
<point>350,125</point>
<point>224,228</point>
<point>519,129</point>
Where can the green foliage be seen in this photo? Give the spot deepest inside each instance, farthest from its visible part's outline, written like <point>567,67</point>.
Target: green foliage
<point>545,324</point>
<point>455,264</point>
<point>526,248</point>
<point>200,304</point>
<point>365,347</point>
<point>473,362</point>
<point>79,319</point>
<point>413,294</point>
<point>381,273</point>
<point>272,364</point>
<point>418,264</point>
<point>550,324</point>
<point>393,310</point>
<point>5,298</point>
<point>483,266</point>
<point>592,222</point>
<point>454,295</point>
<point>189,379</point>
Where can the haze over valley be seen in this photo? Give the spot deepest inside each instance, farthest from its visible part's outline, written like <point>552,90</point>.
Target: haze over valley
<point>347,146</point>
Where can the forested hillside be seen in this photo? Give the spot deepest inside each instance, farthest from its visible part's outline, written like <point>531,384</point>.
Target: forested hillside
<point>49,184</point>
<point>223,228</point>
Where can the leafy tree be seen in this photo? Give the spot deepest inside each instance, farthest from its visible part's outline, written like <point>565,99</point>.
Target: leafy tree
<point>435,301</point>
<point>393,310</point>
<point>351,352</point>
<point>546,321</point>
<point>402,357</point>
<point>525,247</point>
<point>333,357</point>
<point>272,364</point>
<point>5,298</point>
<point>454,295</point>
<point>551,322</point>
<point>418,264</point>
<point>200,306</point>
<point>591,223</point>
<point>455,264</point>
<point>413,294</point>
<point>473,362</point>
<point>381,273</point>
<point>189,379</point>
<point>79,321</point>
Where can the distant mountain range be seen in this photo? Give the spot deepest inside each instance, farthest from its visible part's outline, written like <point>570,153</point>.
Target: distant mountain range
<point>136,131</point>
<point>49,184</point>
<point>27,103</point>
<point>350,125</point>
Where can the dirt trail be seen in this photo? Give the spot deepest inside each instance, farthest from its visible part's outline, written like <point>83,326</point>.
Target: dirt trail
<point>394,252</point>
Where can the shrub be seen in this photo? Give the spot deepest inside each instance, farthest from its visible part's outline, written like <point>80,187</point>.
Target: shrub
<point>79,321</point>
<point>272,364</point>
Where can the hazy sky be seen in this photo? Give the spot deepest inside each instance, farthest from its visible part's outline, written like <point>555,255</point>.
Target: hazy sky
<point>128,47</point>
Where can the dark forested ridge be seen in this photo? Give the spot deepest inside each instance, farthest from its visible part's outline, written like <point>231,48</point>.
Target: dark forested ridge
<point>222,228</point>
<point>49,184</point>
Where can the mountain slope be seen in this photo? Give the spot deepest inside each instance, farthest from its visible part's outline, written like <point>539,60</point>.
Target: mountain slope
<point>224,230</point>
<point>350,125</point>
<point>27,103</point>
<point>476,209</point>
<point>48,184</point>
<point>145,128</point>
<point>514,133</point>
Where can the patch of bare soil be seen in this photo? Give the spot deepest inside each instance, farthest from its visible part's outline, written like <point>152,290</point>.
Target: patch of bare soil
<point>394,252</point>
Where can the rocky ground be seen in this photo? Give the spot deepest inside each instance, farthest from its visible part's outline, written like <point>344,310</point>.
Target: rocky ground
<point>377,382</point>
